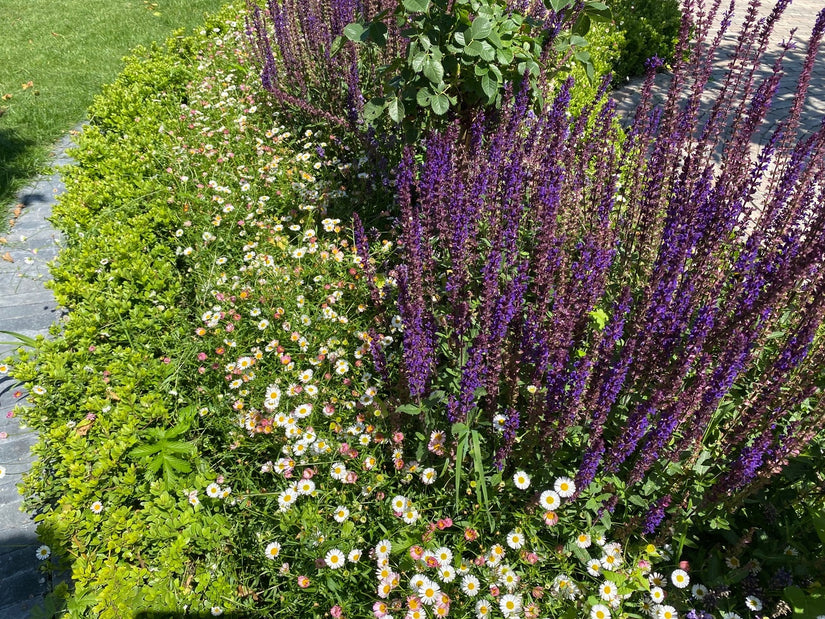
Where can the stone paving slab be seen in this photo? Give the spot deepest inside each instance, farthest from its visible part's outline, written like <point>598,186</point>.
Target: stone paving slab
<point>28,308</point>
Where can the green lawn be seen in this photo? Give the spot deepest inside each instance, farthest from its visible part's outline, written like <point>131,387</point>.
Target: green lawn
<point>55,56</point>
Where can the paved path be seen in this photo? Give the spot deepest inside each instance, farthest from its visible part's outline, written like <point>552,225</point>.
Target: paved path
<point>801,15</point>
<point>26,307</point>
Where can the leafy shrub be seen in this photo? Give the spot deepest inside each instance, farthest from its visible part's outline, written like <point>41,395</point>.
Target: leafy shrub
<point>418,59</point>
<point>649,28</point>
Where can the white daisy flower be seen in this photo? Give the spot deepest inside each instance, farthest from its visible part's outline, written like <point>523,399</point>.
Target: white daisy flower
<point>699,591</point>
<point>286,498</point>
<point>680,579</point>
<point>600,611</point>
<point>272,550</point>
<point>753,603</point>
<point>594,567</point>
<point>383,548</point>
<point>335,559</point>
<point>399,503</point>
<point>607,591</point>
<point>657,595</point>
<point>341,514</point>
<point>354,555</point>
<point>515,539</point>
<point>521,480</point>
<point>470,585</point>
<point>565,487</point>
<point>338,471</point>
<point>510,604</point>
<point>446,573</point>
<point>443,555</point>
<point>429,592</point>
<point>483,609</point>
<point>43,552</point>
<point>666,612</point>
<point>550,500</point>
<point>583,540</point>
<point>213,490</point>
<point>96,507</point>
<point>428,476</point>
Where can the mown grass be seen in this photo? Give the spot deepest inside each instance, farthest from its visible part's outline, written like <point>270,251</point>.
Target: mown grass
<point>54,57</point>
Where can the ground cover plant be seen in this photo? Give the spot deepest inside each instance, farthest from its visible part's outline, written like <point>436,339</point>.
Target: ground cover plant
<point>263,406</point>
<point>55,59</point>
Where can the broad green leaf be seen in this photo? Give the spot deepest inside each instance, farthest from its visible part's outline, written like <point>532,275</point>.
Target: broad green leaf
<point>558,5</point>
<point>410,409</point>
<point>433,71</point>
<point>459,38</point>
<point>180,447</point>
<point>154,465</point>
<point>598,12</point>
<point>494,39</point>
<point>416,6</point>
<point>504,56</point>
<point>377,32</point>
<point>355,32</point>
<point>582,25</point>
<point>423,97</point>
<point>488,52</point>
<point>374,108</point>
<point>489,85</point>
<point>143,451</point>
<point>440,104</point>
<point>481,27</point>
<point>176,463</point>
<point>473,49</point>
<point>418,62</point>
<point>578,41</point>
<point>600,317</point>
<point>818,519</point>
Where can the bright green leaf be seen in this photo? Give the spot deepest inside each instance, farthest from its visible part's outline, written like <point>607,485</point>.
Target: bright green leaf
<point>416,6</point>
<point>433,71</point>
<point>440,104</point>
<point>481,27</point>
<point>355,32</point>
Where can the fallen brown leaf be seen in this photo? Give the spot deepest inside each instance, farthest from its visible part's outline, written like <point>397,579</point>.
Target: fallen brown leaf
<point>83,429</point>
<point>7,257</point>
<point>17,210</point>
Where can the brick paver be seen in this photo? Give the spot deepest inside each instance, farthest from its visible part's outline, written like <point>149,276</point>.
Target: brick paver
<point>28,308</point>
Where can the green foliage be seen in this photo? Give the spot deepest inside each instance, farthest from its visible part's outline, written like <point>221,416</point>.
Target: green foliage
<point>56,56</point>
<point>462,59</point>
<point>649,28</point>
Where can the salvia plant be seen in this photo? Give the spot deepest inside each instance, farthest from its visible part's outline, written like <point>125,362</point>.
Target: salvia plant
<point>642,306</point>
